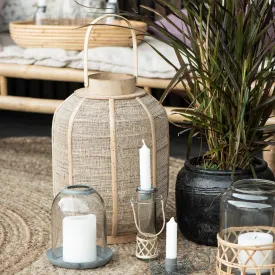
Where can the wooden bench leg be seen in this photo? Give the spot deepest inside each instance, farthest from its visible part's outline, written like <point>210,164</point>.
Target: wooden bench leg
<point>3,86</point>
<point>28,104</point>
<point>269,156</point>
<point>148,90</point>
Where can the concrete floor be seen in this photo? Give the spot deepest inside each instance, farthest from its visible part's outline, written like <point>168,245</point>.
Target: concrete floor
<point>19,124</point>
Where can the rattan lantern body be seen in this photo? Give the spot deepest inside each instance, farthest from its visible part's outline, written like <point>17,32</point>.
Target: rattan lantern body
<point>247,227</point>
<point>97,133</point>
<point>79,239</point>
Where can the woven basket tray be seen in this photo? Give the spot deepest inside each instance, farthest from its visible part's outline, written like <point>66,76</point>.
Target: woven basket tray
<point>71,37</point>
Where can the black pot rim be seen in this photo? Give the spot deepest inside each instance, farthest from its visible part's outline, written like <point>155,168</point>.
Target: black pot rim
<point>188,165</point>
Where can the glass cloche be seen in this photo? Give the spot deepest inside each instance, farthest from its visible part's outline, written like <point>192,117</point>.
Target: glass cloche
<point>248,203</point>
<point>79,238</point>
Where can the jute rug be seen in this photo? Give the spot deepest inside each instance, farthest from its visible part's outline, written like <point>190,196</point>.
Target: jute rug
<point>25,202</point>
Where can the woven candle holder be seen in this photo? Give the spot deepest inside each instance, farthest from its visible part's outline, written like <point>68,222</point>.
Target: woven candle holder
<point>147,247</point>
<point>230,254</point>
<point>145,221</point>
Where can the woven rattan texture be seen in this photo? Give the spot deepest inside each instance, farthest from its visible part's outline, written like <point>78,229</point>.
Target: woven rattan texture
<point>146,248</point>
<point>91,154</point>
<point>229,252</point>
<point>61,33</point>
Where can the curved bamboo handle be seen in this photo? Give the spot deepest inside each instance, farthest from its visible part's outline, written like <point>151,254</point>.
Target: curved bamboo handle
<point>148,234</point>
<point>86,45</point>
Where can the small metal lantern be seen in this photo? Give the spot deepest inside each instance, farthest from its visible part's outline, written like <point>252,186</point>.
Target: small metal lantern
<point>145,221</point>
<point>79,239</point>
<point>246,239</point>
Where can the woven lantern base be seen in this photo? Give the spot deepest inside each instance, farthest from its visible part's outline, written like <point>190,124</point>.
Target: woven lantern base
<point>147,248</point>
<point>229,253</point>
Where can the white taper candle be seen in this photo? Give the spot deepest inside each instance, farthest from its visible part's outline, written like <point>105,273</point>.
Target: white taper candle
<point>171,239</point>
<point>145,167</point>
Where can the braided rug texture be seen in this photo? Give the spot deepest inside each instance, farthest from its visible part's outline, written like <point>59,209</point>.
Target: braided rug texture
<point>25,203</point>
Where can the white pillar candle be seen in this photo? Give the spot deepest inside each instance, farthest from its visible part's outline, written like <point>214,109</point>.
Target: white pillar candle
<point>145,167</point>
<point>255,239</point>
<point>79,239</point>
<point>171,239</point>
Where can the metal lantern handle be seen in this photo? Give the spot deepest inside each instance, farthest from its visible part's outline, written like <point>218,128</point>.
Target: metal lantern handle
<point>135,218</point>
<point>86,45</point>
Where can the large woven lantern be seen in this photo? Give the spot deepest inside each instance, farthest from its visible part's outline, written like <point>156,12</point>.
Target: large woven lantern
<point>97,133</point>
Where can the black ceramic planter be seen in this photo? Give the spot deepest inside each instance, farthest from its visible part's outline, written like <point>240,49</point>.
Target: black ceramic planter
<point>198,198</point>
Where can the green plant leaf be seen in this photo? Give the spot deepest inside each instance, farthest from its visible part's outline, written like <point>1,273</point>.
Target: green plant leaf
<point>229,77</point>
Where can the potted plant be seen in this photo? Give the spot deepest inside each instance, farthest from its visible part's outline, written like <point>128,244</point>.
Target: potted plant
<point>226,57</point>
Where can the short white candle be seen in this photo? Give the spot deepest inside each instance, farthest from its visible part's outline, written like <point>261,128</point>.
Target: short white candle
<point>145,167</point>
<point>79,239</point>
<point>171,239</point>
<point>255,239</point>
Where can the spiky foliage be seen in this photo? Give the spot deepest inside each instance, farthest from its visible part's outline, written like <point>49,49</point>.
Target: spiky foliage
<point>227,71</point>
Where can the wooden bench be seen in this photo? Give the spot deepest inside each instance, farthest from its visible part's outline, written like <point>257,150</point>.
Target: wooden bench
<point>48,106</point>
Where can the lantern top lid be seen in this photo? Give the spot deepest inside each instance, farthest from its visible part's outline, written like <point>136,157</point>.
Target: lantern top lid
<point>108,84</point>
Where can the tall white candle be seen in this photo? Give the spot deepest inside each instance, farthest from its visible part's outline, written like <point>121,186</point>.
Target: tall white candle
<point>171,239</point>
<point>145,167</point>
<point>79,239</point>
<point>254,239</point>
